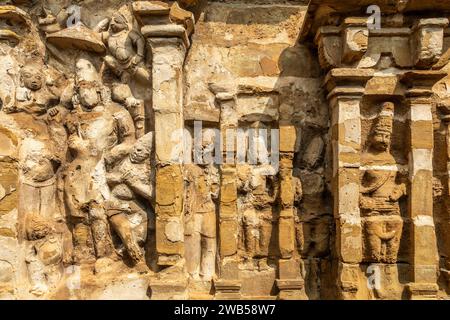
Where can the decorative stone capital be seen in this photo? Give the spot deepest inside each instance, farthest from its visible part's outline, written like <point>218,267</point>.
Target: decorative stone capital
<point>345,82</point>
<point>161,20</point>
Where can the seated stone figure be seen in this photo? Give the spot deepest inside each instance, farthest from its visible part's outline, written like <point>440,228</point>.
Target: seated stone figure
<point>130,181</point>
<point>380,193</point>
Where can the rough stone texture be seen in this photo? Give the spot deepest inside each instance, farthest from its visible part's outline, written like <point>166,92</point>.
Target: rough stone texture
<point>109,189</point>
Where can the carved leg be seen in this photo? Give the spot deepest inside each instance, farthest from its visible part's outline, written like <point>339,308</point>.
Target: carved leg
<point>121,225</point>
<point>251,233</point>
<point>100,230</point>
<point>83,243</point>
<point>373,241</point>
<point>193,246</point>
<point>208,246</point>
<point>114,65</point>
<point>142,75</point>
<point>393,245</point>
<point>36,274</point>
<point>208,261</point>
<point>265,232</point>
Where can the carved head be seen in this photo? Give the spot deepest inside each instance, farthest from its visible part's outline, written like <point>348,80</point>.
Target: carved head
<point>118,23</point>
<point>142,149</point>
<point>31,77</point>
<point>87,83</point>
<point>381,136</point>
<point>89,95</point>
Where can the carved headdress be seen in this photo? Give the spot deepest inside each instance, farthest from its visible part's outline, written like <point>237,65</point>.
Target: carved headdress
<point>385,119</point>
<point>123,16</point>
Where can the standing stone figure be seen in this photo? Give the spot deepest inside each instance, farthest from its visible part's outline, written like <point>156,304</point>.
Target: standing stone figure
<point>131,182</point>
<point>200,220</point>
<point>261,192</point>
<point>99,135</point>
<point>380,193</point>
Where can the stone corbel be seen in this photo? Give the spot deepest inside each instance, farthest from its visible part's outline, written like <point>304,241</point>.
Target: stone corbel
<point>355,39</point>
<point>428,37</point>
<point>159,19</point>
<point>329,44</point>
<point>345,44</point>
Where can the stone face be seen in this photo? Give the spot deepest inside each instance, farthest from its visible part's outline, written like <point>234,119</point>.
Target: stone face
<point>224,150</point>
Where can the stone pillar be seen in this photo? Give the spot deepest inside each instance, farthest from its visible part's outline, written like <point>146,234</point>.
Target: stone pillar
<point>289,282</point>
<point>424,259</point>
<point>444,107</point>
<point>228,285</point>
<point>346,89</point>
<point>168,45</point>
<point>168,51</point>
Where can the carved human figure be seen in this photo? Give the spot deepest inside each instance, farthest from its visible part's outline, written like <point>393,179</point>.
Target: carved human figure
<point>380,193</point>
<point>99,135</point>
<point>126,47</point>
<point>34,96</point>
<point>261,192</point>
<point>131,182</point>
<point>38,165</point>
<point>121,93</point>
<point>200,220</point>
<point>44,255</point>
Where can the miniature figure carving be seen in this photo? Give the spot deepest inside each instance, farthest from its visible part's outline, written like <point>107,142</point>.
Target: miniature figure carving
<point>126,47</point>
<point>261,192</point>
<point>34,96</point>
<point>44,257</point>
<point>200,220</point>
<point>380,193</point>
<point>131,182</point>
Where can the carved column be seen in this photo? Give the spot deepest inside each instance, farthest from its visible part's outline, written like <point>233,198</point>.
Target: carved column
<point>444,107</point>
<point>289,280</point>
<point>167,69</point>
<point>424,260</point>
<point>228,285</point>
<point>346,88</point>
<point>167,28</point>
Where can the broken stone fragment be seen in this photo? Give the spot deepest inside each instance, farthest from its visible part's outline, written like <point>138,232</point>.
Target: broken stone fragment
<point>78,37</point>
<point>14,14</point>
<point>150,8</point>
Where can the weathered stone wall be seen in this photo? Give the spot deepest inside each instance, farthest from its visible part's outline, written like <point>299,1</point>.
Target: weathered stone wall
<point>114,183</point>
